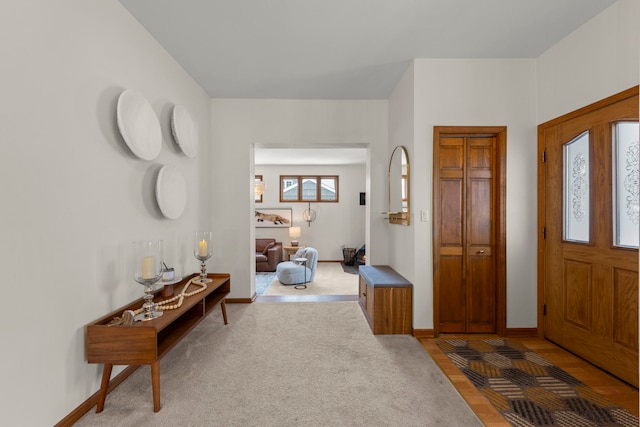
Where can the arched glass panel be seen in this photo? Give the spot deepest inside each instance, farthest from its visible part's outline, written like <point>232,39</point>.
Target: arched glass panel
<point>626,212</point>
<point>575,191</point>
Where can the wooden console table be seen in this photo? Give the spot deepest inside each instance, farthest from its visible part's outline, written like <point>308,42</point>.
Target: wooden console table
<point>145,343</point>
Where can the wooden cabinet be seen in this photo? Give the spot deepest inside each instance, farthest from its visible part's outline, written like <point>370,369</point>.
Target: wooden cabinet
<point>386,299</point>
<point>145,343</point>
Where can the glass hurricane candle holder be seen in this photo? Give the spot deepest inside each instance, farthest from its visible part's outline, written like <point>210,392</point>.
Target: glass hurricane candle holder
<point>147,261</point>
<point>202,250</point>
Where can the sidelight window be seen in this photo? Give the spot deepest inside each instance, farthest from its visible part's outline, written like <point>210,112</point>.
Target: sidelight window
<point>626,211</point>
<point>575,190</point>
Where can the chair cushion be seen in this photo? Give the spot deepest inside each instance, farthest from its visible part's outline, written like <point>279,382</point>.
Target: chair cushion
<point>266,248</point>
<point>290,273</point>
<point>261,258</point>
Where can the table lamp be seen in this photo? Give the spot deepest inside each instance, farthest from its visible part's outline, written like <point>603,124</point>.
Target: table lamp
<point>294,233</point>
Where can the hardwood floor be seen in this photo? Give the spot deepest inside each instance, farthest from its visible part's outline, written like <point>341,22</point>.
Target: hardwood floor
<point>613,389</point>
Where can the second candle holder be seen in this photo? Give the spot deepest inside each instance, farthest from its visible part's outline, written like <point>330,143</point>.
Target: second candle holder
<point>202,251</point>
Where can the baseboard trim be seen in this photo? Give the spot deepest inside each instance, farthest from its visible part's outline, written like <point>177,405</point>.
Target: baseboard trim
<point>423,333</point>
<point>240,300</point>
<point>92,401</point>
<point>522,332</point>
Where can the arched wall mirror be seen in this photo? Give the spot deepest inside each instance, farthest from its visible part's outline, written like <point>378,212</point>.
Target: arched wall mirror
<point>399,200</point>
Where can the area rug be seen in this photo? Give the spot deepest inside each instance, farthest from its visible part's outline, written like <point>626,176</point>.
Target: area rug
<point>288,365</point>
<point>527,389</point>
<point>263,281</point>
<point>329,280</point>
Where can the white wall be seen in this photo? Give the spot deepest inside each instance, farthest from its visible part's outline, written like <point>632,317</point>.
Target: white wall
<point>237,125</point>
<point>336,224</point>
<point>401,239</point>
<point>597,60</point>
<point>73,196</point>
<point>471,92</point>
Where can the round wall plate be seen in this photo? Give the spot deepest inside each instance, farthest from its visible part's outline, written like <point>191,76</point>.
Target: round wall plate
<point>184,131</point>
<point>171,192</point>
<point>139,125</point>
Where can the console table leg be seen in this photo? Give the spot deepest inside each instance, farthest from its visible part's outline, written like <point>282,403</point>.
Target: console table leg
<point>104,386</point>
<point>223,306</point>
<point>155,385</point>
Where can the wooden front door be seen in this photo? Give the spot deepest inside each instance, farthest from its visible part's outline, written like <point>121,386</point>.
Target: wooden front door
<point>468,229</point>
<point>588,196</point>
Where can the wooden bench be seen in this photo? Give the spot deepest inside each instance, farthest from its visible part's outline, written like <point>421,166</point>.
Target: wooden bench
<point>386,299</point>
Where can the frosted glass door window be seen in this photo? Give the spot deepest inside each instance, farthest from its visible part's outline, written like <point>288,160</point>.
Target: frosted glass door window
<point>625,167</point>
<point>576,189</point>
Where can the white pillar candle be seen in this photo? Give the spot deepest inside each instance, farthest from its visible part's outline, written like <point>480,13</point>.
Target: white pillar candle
<point>203,248</point>
<point>148,267</point>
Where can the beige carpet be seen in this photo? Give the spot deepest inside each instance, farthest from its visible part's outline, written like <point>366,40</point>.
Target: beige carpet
<point>289,364</point>
<point>330,279</point>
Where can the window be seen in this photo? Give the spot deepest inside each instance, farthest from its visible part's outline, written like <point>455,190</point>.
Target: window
<point>308,188</point>
<point>625,184</point>
<point>576,189</point>
<point>258,188</point>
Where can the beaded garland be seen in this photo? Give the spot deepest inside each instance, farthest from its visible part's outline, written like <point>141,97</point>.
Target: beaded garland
<point>127,316</point>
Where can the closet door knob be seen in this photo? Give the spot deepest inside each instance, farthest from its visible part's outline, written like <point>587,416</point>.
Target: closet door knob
<point>481,251</point>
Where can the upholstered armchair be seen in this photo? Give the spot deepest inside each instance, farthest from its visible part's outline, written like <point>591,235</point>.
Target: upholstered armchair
<point>295,273</point>
<point>268,254</point>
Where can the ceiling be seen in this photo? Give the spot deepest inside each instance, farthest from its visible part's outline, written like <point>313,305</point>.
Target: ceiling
<point>343,49</point>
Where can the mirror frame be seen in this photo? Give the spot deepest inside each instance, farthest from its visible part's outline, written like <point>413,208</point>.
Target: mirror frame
<point>395,217</point>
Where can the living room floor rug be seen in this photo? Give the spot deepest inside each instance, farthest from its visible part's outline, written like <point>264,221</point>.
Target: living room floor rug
<point>263,281</point>
<point>330,279</point>
<point>527,389</point>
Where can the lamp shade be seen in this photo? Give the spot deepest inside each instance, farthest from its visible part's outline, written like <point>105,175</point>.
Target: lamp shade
<point>294,232</point>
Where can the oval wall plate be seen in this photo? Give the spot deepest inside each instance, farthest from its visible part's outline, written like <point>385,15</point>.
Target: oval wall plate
<point>184,131</point>
<point>171,192</point>
<point>139,125</point>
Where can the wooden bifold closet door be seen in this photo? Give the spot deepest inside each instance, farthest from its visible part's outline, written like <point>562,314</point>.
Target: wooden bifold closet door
<point>467,206</point>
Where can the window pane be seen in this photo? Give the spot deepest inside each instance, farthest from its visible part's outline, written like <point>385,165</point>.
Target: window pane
<point>328,189</point>
<point>576,189</point>
<point>258,188</point>
<point>625,167</point>
<point>289,189</point>
<point>309,189</point>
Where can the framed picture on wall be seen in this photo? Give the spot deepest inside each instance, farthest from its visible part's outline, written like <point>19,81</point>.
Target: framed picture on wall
<point>273,218</point>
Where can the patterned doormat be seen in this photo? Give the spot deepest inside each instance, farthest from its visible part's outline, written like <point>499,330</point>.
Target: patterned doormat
<point>527,389</point>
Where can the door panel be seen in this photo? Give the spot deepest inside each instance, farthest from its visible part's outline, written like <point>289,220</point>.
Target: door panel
<point>590,285</point>
<point>577,278</point>
<point>452,297</point>
<point>625,325</point>
<point>451,208</point>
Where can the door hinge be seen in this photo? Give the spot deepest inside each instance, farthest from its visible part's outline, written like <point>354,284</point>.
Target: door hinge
<point>544,309</point>
<point>544,156</point>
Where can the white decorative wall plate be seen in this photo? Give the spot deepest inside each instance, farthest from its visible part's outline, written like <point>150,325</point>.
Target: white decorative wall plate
<point>184,131</point>
<point>171,192</point>
<point>139,125</point>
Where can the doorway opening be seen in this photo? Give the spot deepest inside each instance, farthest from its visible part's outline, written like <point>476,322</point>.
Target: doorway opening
<point>327,226</point>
